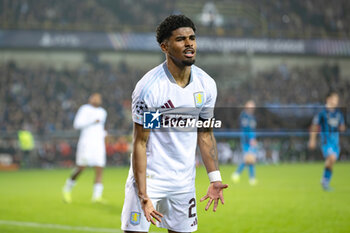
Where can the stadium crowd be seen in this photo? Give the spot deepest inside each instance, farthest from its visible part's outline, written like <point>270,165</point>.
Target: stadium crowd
<point>47,100</point>
<point>44,101</point>
<point>311,18</point>
<point>290,85</point>
<point>281,19</point>
<point>85,15</point>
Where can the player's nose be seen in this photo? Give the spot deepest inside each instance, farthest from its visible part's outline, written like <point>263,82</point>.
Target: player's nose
<point>188,42</point>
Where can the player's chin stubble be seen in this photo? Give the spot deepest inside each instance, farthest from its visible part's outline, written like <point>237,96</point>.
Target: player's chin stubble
<point>188,63</point>
<point>179,62</point>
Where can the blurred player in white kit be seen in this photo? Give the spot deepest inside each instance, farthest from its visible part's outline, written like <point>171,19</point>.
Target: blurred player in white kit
<point>91,151</point>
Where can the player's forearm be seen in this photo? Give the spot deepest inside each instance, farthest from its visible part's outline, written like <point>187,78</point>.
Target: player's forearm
<point>342,128</point>
<point>139,159</point>
<point>139,163</point>
<point>313,136</point>
<point>81,124</point>
<point>208,149</point>
<point>313,133</point>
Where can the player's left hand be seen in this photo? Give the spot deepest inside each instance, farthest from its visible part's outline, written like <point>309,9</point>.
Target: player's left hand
<point>215,192</point>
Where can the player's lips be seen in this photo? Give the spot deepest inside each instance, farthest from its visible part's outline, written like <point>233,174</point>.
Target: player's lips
<point>189,53</point>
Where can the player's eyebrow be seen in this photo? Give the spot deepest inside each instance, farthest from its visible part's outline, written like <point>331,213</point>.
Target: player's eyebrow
<point>192,36</point>
<point>180,37</point>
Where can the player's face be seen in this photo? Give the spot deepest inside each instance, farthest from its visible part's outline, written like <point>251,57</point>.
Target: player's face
<point>250,107</point>
<point>95,100</point>
<point>181,46</point>
<point>333,101</point>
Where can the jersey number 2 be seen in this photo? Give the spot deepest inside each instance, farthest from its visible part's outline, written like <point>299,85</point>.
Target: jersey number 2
<point>192,203</point>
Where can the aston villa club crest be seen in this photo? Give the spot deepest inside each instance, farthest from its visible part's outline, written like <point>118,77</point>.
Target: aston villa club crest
<point>135,218</point>
<point>198,99</point>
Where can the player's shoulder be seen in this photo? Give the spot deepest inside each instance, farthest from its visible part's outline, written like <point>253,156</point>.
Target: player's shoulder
<point>243,114</point>
<point>102,109</point>
<point>149,81</point>
<point>203,76</point>
<point>322,112</point>
<point>338,112</point>
<point>84,107</point>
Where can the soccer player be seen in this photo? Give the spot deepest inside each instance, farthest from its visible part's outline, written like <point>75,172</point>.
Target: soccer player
<point>90,120</point>
<point>328,122</point>
<point>160,188</point>
<point>248,143</point>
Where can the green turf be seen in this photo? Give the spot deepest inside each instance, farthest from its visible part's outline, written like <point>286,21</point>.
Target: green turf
<point>288,198</point>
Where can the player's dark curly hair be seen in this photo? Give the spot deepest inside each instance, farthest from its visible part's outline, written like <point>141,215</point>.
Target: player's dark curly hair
<point>171,23</point>
<point>331,92</point>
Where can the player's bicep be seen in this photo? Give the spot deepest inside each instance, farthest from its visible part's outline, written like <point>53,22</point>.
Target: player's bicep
<point>139,157</point>
<point>207,111</point>
<point>204,134</point>
<point>208,149</point>
<point>141,135</point>
<point>316,122</point>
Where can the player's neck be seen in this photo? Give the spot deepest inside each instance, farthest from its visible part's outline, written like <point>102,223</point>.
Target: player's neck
<point>94,105</point>
<point>330,108</point>
<point>181,74</point>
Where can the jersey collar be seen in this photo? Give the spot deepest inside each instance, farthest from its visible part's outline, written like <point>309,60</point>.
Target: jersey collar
<point>170,76</point>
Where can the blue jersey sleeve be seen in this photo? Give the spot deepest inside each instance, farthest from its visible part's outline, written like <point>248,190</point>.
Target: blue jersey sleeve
<point>317,119</point>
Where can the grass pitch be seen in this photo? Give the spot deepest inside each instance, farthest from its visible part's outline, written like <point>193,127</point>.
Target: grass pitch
<point>288,198</point>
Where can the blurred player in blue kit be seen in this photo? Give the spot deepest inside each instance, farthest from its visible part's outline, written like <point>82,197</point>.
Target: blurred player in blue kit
<point>248,143</point>
<point>329,121</point>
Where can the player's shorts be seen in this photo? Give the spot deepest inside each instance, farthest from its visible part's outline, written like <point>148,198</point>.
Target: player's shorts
<point>330,149</point>
<point>179,211</point>
<point>91,155</point>
<point>249,150</point>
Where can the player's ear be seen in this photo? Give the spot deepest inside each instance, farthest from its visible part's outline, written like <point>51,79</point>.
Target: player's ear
<point>164,46</point>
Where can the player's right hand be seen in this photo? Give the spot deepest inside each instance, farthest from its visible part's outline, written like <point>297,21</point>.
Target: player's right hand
<point>149,211</point>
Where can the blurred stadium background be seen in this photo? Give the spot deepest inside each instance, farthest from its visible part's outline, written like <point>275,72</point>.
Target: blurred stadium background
<point>286,55</point>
